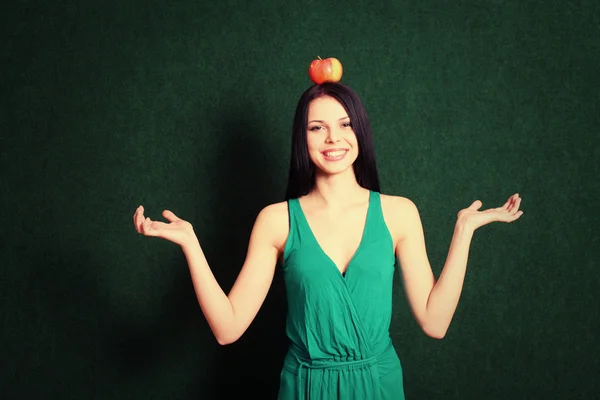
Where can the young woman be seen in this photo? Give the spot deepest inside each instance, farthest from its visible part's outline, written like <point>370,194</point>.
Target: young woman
<point>338,240</point>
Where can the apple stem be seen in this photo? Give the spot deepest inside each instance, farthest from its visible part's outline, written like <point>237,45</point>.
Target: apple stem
<point>319,57</point>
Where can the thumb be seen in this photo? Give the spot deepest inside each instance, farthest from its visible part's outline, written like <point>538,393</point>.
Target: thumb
<point>170,216</point>
<point>476,205</point>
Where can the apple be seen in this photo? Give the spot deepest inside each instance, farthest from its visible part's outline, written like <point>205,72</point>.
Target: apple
<point>327,70</point>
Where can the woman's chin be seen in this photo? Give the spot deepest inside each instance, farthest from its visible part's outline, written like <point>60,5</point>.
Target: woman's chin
<point>335,169</point>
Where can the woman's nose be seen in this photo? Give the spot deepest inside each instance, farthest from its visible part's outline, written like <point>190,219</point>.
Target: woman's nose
<point>332,136</point>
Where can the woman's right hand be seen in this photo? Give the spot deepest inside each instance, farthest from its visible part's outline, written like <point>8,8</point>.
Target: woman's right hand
<point>177,230</point>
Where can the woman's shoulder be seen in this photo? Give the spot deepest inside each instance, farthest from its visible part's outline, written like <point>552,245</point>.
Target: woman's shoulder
<point>275,211</point>
<point>399,213</point>
<point>397,204</point>
<point>274,219</point>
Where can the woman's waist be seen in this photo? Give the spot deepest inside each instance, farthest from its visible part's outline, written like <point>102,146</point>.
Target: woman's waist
<point>343,359</point>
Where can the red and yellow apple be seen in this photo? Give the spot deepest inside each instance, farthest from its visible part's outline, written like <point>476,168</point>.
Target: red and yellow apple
<point>327,70</point>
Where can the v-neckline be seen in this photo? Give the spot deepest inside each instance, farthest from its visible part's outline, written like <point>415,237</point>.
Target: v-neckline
<point>343,274</point>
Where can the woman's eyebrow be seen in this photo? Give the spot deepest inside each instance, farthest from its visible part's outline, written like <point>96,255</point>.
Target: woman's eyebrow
<point>321,121</point>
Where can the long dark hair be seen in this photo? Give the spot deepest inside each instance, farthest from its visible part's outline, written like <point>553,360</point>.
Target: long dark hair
<point>302,171</point>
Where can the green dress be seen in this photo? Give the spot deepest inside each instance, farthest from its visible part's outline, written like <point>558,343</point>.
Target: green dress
<point>338,324</point>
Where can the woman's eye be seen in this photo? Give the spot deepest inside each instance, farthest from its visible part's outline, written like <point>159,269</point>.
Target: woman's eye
<point>316,128</point>
<point>347,125</point>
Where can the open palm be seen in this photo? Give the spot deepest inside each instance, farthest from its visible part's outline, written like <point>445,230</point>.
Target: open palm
<point>474,218</point>
<point>177,230</point>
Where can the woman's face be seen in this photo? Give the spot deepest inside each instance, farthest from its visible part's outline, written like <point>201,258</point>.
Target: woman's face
<point>332,144</point>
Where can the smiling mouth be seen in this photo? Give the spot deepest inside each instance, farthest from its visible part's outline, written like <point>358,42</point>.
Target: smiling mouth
<point>334,155</point>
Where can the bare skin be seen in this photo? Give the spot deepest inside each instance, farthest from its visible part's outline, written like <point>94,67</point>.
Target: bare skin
<point>336,211</point>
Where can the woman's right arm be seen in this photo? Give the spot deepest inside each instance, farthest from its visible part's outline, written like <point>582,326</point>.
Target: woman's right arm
<point>228,315</point>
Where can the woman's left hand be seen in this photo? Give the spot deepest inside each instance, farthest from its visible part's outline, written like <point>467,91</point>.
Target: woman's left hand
<point>472,218</point>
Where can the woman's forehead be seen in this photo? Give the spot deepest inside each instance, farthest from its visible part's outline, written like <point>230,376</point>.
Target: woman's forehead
<point>326,108</point>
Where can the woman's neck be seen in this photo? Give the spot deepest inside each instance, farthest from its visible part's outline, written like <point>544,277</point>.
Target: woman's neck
<point>336,191</point>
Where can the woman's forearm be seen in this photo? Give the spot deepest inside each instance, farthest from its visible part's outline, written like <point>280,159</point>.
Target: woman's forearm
<point>445,294</point>
<point>213,301</point>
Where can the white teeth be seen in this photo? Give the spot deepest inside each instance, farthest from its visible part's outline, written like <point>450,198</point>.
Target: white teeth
<point>334,153</point>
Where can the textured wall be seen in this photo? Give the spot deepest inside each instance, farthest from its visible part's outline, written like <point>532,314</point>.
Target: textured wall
<point>188,106</point>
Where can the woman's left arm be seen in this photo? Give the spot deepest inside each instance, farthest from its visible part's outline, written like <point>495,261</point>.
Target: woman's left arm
<point>434,303</point>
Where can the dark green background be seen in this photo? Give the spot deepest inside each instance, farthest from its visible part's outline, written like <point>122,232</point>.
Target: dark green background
<point>188,106</point>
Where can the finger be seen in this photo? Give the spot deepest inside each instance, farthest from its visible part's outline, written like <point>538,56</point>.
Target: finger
<point>508,216</point>
<point>513,217</point>
<point>515,207</point>
<point>476,205</point>
<point>142,218</point>
<point>138,218</point>
<point>511,209</point>
<point>147,227</point>
<point>142,226</point>
<point>510,201</point>
<point>170,216</point>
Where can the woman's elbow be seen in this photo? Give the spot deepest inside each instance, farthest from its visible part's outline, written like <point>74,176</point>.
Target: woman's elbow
<point>224,340</point>
<point>435,332</point>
